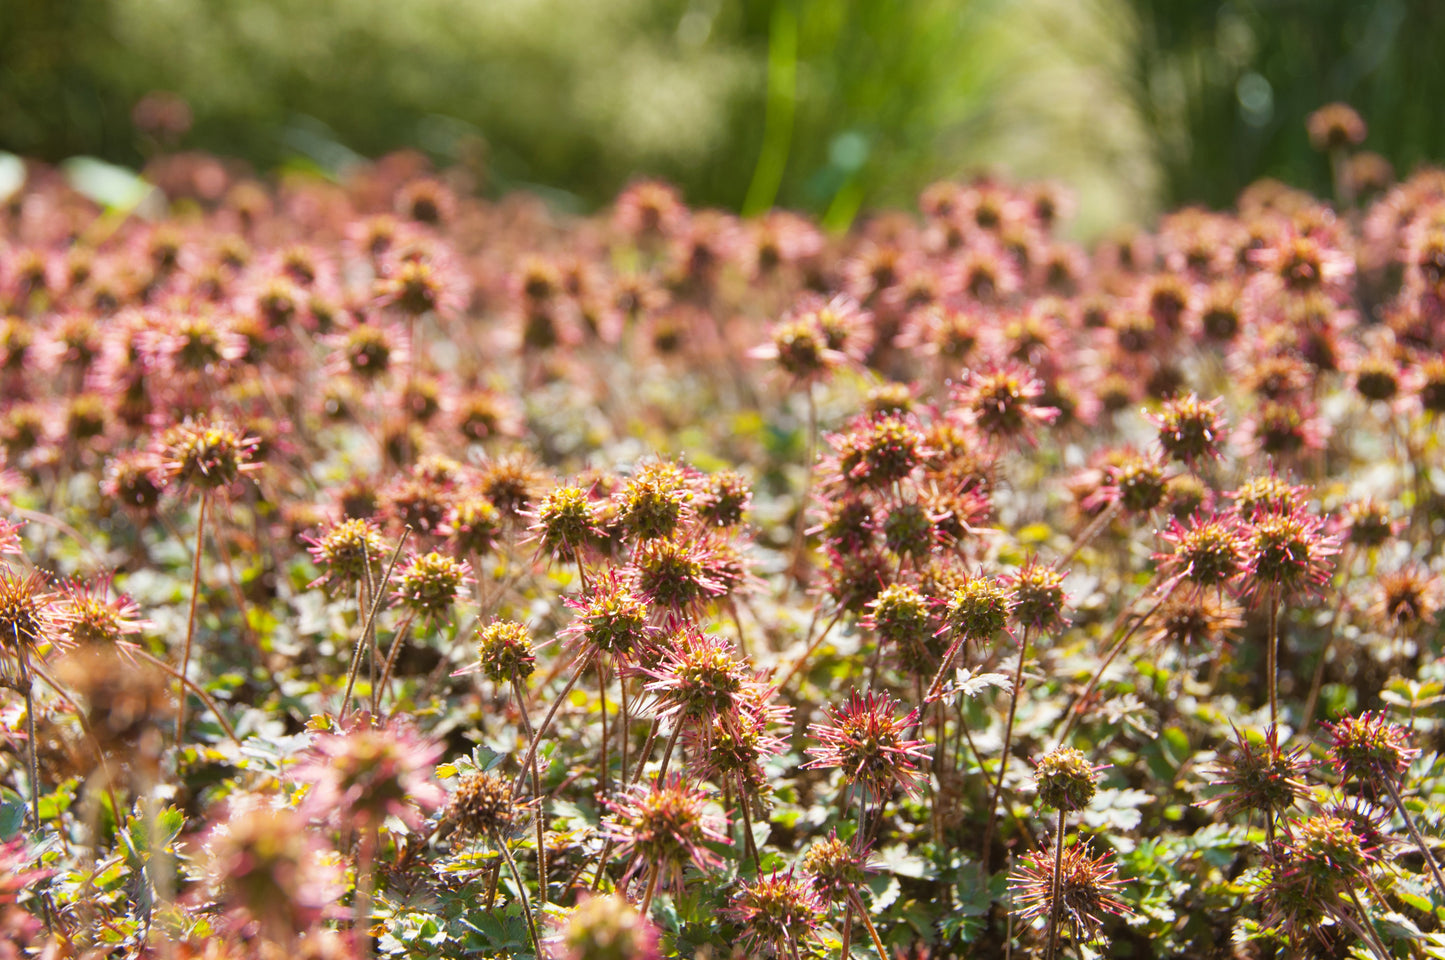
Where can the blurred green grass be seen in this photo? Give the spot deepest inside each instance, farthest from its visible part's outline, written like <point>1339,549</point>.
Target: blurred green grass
<point>826,105</point>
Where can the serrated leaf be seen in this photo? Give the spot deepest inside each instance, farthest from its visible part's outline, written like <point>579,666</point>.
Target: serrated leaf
<point>971,685</point>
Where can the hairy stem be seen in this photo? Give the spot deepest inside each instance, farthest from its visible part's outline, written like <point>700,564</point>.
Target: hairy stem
<point>28,688</point>
<point>1416,836</point>
<point>1076,710</point>
<point>191,616</point>
<point>1008,732</point>
<point>536,792</point>
<point>521,892</point>
<point>1272,666</point>
<point>581,664</point>
<point>369,623</point>
<point>396,642</point>
<point>1055,888</point>
<point>867,922</point>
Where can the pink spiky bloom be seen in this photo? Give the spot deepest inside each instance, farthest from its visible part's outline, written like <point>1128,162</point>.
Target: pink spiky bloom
<point>1288,554</point>
<point>666,824</point>
<point>777,912</point>
<point>1001,400</point>
<point>865,738</point>
<point>369,771</point>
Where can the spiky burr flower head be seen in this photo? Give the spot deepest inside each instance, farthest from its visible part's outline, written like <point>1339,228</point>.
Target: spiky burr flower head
<point>777,912</point>
<point>1407,597</point>
<point>1288,554</point>
<point>94,617</point>
<point>698,676</point>
<point>1088,888</point>
<point>1368,523</point>
<point>1318,860</point>
<point>1038,596</point>
<point>910,530</point>
<point>900,615</point>
<point>866,739</point>
<point>1266,494</point>
<point>877,451</point>
<point>1370,750</point>
<point>673,573</point>
<point>1197,620</point>
<point>1328,849</point>
<point>504,651</point>
<point>270,868</point>
<point>348,553</point>
<point>656,501</point>
<point>612,618</point>
<point>606,927</point>
<point>834,866</point>
<point>666,824</point>
<point>1002,401</point>
<point>1190,430</point>
<point>731,745</point>
<point>979,608</point>
<point>431,583</point>
<point>205,454</point>
<point>483,805</point>
<point>1260,775</point>
<point>1209,552</point>
<point>473,525</point>
<point>801,350</point>
<point>724,499</point>
<point>1138,482</point>
<point>566,520</point>
<point>135,479</point>
<point>31,618</point>
<point>370,771</point>
<point>1066,780</point>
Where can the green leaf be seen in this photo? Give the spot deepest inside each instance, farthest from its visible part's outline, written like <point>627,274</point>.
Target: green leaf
<point>12,818</point>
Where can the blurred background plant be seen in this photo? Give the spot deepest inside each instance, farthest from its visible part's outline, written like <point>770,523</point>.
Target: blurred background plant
<point>826,105</point>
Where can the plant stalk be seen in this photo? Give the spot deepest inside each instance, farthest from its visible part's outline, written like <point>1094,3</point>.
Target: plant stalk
<point>191,616</point>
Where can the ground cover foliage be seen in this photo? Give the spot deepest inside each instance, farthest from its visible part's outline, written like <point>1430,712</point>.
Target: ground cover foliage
<point>389,572</point>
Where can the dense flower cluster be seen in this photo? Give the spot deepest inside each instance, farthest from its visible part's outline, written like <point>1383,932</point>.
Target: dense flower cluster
<point>778,553</point>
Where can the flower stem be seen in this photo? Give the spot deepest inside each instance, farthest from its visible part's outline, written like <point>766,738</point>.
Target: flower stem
<point>868,922</point>
<point>1008,733</point>
<point>1091,531</point>
<point>194,687</point>
<point>1077,709</point>
<point>536,792</point>
<point>28,688</point>
<point>602,777</point>
<point>521,892</point>
<point>1272,667</point>
<point>812,648</point>
<point>396,642</point>
<point>1415,835</point>
<point>369,623</point>
<point>646,908</point>
<point>749,844</point>
<point>1362,926</point>
<point>191,616</point>
<point>546,724</point>
<point>1055,889</point>
<point>667,751</point>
